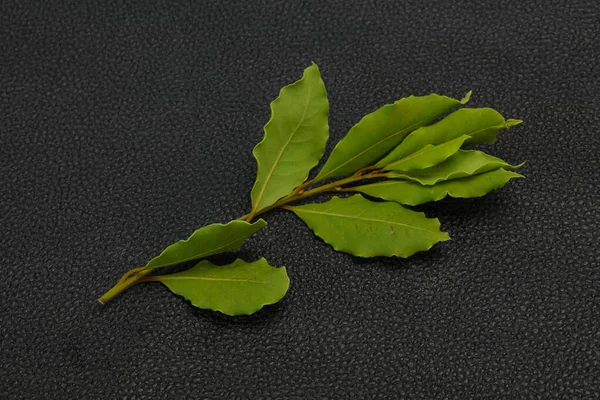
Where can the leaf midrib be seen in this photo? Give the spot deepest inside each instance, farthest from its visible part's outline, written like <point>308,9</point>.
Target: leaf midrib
<point>424,151</point>
<point>197,278</point>
<point>499,126</point>
<point>472,134</point>
<point>473,171</point>
<point>270,174</point>
<point>296,209</point>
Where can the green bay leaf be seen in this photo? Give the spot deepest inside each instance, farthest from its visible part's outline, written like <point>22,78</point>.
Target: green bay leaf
<point>382,130</point>
<point>461,164</point>
<point>207,241</point>
<point>294,139</point>
<point>239,288</point>
<point>428,156</point>
<point>413,193</point>
<point>481,124</point>
<point>365,228</point>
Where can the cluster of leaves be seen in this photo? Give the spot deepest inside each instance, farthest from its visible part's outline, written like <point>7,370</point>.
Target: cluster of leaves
<point>403,154</point>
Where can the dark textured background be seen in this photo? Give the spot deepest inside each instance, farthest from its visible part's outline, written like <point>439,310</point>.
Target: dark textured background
<point>125,126</point>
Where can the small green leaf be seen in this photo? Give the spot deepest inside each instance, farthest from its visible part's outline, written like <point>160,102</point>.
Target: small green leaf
<point>239,288</point>
<point>367,229</point>
<point>294,139</point>
<point>462,163</point>
<point>481,124</point>
<point>413,193</point>
<point>382,130</point>
<point>207,241</point>
<point>428,156</point>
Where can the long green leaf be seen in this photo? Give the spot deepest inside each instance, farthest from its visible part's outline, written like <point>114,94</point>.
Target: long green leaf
<point>382,130</point>
<point>462,163</point>
<point>236,289</point>
<point>294,139</point>
<point>481,124</point>
<point>367,229</point>
<point>207,241</point>
<point>413,193</point>
<point>428,156</point>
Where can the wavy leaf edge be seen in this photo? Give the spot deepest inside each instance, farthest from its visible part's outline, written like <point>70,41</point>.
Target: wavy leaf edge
<point>435,192</point>
<point>327,172</point>
<point>258,224</point>
<point>260,166</point>
<point>278,275</point>
<point>437,235</point>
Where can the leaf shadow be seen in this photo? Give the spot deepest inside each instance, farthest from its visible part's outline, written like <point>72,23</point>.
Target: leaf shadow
<point>398,264</point>
<point>460,209</point>
<point>268,314</point>
<point>452,213</point>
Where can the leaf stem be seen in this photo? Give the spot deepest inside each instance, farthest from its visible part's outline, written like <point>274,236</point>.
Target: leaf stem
<point>126,282</point>
<point>138,275</point>
<point>315,180</point>
<point>153,278</point>
<point>299,194</point>
<point>130,273</point>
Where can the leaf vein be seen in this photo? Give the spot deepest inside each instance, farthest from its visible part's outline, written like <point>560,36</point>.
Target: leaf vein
<point>199,278</point>
<point>270,174</point>
<point>362,218</point>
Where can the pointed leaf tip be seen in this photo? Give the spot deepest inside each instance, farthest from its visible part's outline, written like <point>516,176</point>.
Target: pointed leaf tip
<point>519,165</point>
<point>467,97</point>
<point>512,122</point>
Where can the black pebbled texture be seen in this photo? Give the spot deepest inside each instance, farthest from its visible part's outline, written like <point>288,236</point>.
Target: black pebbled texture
<point>124,126</point>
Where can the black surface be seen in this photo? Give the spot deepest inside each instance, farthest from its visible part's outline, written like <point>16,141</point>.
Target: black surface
<point>124,126</point>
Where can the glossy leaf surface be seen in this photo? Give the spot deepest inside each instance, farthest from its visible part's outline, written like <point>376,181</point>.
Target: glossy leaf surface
<point>413,193</point>
<point>294,139</point>
<point>207,241</point>
<point>428,156</point>
<point>382,130</point>
<point>236,289</point>
<point>481,124</point>
<point>463,163</point>
<point>367,229</point>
